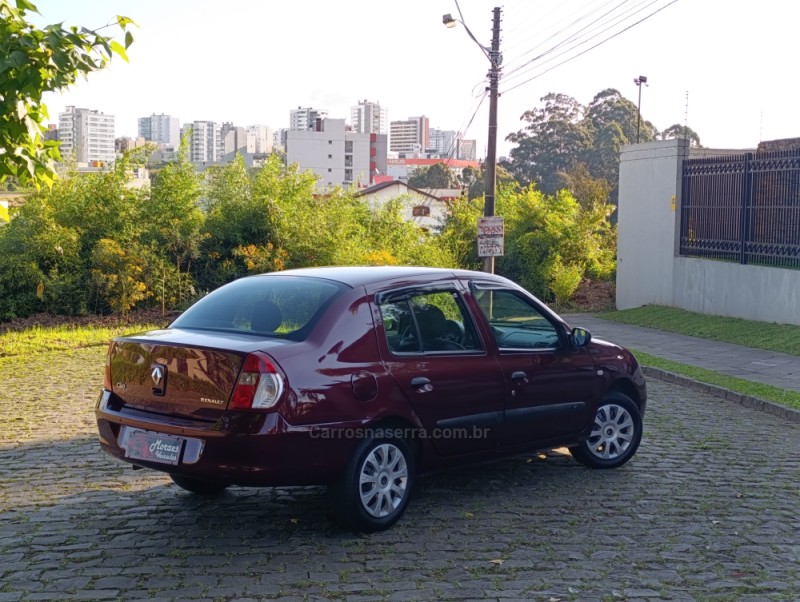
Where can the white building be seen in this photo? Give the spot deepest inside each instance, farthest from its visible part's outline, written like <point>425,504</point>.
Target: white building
<point>205,145</point>
<point>259,139</point>
<point>450,144</point>
<point>419,206</point>
<point>305,118</point>
<point>369,118</point>
<point>410,136</point>
<point>160,128</point>
<point>86,135</point>
<point>338,157</point>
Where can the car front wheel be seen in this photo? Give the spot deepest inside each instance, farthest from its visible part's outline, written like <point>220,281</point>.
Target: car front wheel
<point>615,436</point>
<point>374,489</point>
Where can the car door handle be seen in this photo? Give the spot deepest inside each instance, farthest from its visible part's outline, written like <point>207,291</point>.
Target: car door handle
<point>519,375</point>
<point>422,384</point>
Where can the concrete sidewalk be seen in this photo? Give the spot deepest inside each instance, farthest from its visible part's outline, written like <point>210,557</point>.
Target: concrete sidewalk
<point>768,367</point>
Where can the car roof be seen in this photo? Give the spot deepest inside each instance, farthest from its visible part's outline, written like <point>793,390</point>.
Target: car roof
<point>362,275</point>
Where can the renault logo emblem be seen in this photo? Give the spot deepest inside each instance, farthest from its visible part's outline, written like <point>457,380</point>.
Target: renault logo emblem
<point>157,375</point>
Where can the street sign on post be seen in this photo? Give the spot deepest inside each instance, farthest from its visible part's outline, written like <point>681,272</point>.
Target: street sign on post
<point>491,237</point>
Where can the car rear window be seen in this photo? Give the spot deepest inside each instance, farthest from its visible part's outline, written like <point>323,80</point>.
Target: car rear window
<point>274,306</point>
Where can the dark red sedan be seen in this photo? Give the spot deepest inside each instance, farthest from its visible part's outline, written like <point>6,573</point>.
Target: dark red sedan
<point>360,378</point>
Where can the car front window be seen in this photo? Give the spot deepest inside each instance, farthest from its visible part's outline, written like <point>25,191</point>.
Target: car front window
<point>515,322</point>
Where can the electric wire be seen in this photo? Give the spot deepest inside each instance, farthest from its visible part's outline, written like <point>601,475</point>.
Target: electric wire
<point>538,33</point>
<point>576,41</point>
<point>611,37</point>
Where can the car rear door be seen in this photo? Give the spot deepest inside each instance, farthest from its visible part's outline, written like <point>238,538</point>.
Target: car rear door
<point>432,349</point>
<point>551,386</point>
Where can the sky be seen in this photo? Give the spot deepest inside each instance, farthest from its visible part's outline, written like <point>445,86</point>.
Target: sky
<point>723,67</point>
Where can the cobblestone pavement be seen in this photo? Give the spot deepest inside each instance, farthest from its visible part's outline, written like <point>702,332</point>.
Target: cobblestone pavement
<point>708,510</point>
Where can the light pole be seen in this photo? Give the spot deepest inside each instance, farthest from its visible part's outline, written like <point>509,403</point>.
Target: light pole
<point>639,81</point>
<point>495,58</point>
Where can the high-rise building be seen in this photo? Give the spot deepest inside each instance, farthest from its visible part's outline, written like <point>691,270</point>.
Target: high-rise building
<point>305,118</point>
<point>338,157</point>
<point>450,144</point>
<point>86,135</point>
<point>410,136</point>
<point>206,142</point>
<point>259,139</point>
<point>369,118</point>
<point>160,128</point>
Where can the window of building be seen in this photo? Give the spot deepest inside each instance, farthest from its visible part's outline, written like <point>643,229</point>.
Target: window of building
<point>348,175</point>
<point>421,211</point>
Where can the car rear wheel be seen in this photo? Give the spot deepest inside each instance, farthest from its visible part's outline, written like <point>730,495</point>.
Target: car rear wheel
<point>197,486</point>
<point>615,436</point>
<point>373,492</point>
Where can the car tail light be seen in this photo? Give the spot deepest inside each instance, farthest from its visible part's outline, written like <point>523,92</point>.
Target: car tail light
<point>107,377</point>
<point>259,386</point>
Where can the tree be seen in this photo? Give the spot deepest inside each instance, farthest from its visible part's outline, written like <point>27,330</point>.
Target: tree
<point>34,61</point>
<point>556,137</point>
<point>682,131</point>
<point>474,180</point>
<point>437,175</point>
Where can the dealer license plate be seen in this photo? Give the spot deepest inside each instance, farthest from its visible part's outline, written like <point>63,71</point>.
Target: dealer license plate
<point>153,447</point>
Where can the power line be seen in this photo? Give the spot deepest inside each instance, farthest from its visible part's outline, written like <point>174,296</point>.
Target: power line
<point>554,35</point>
<point>576,41</point>
<point>611,37</point>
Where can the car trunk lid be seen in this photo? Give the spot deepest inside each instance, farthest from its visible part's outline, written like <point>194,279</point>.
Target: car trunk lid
<point>180,373</point>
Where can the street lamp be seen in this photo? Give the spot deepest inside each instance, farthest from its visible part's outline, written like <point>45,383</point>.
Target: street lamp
<point>495,58</point>
<point>639,81</point>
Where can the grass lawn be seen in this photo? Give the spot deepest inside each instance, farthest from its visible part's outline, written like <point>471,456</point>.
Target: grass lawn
<point>63,337</point>
<point>783,338</point>
<point>790,399</point>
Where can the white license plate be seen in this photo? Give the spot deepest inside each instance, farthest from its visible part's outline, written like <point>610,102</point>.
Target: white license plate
<point>153,447</point>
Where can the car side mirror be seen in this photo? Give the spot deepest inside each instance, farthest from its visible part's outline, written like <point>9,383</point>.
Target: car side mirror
<point>580,337</point>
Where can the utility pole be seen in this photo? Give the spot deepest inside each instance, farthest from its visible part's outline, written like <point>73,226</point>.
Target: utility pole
<point>490,182</point>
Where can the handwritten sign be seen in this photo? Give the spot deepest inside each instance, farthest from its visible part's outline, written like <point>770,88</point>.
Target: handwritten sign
<point>491,237</point>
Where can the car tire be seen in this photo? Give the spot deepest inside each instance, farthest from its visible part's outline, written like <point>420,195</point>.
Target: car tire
<point>615,436</point>
<point>373,492</point>
<point>197,486</point>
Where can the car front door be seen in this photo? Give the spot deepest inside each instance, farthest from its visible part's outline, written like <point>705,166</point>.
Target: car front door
<point>551,385</point>
<point>432,349</point>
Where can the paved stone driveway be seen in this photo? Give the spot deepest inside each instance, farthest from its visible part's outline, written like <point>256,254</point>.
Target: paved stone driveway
<point>708,510</point>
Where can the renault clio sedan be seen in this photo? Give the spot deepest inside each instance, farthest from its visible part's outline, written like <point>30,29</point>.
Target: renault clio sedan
<point>361,378</point>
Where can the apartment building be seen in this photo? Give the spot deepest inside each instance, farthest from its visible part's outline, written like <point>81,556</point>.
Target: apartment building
<point>86,135</point>
<point>369,118</point>
<point>164,129</point>
<point>205,145</point>
<point>339,157</point>
<point>410,136</point>
<point>305,118</point>
<point>449,144</point>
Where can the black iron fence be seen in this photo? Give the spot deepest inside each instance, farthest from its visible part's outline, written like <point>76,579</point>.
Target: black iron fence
<point>743,208</point>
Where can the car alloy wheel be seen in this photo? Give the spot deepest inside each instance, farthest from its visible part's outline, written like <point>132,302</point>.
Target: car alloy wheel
<point>612,433</point>
<point>383,480</point>
<point>373,491</point>
<point>615,436</point>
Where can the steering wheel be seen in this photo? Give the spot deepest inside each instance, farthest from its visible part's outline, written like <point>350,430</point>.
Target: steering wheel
<point>454,333</point>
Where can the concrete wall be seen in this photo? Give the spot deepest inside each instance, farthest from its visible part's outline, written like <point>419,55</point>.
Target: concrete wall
<point>649,269</point>
<point>648,222</point>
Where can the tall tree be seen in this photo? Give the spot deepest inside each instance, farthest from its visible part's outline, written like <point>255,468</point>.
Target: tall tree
<point>34,61</point>
<point>682,131</point>
<point>555,137</point>
<point>437,175</point>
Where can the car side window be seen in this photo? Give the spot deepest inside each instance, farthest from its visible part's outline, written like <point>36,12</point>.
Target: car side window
<point>429,322</point>
<point>515,322</point>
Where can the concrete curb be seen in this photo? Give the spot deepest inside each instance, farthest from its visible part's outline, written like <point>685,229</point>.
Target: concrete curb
<point>788,414</point>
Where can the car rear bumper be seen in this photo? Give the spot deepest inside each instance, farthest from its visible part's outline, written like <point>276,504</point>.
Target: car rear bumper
<point>241,448</point>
